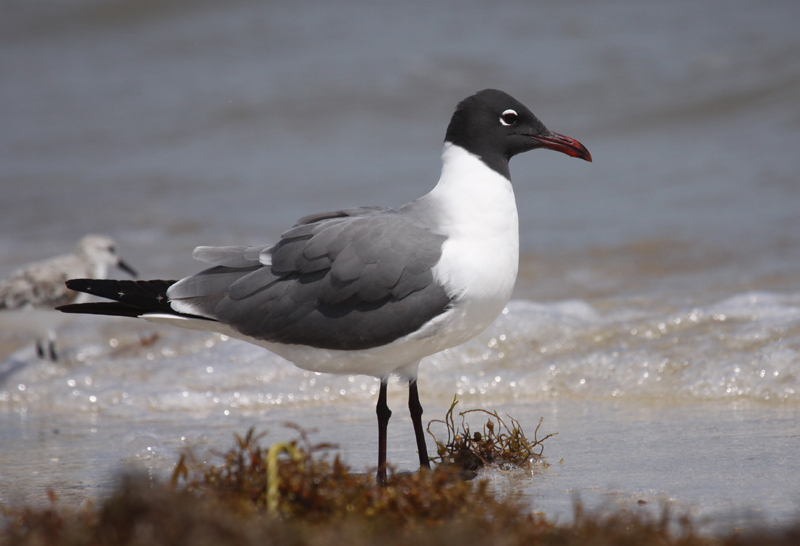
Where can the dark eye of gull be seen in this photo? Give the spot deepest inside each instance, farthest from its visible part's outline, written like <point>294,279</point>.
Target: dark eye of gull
<point>509,117</point>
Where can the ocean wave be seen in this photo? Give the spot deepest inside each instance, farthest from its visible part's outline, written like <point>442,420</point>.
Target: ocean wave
<point>745,347</point>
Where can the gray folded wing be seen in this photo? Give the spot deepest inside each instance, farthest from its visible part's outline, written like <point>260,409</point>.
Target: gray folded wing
<point>344,280</point>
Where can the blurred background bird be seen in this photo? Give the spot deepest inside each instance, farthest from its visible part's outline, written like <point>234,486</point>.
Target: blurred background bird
<point>37,288</point>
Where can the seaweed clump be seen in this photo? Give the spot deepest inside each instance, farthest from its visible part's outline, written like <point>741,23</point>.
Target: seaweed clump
<point>299,480</point>
<point>496,444</point>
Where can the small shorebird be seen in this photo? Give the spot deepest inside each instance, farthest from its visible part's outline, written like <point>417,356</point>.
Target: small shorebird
<point>38,288</point>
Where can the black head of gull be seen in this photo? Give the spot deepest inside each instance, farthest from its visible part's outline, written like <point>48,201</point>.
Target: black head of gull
<point>495,126</point>
<point>369,290</point>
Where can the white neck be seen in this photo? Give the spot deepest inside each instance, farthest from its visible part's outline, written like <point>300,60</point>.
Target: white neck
<point>478,214</point>
<point>474,200</point>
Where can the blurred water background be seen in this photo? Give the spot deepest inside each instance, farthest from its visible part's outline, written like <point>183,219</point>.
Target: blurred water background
<point>656,320</point>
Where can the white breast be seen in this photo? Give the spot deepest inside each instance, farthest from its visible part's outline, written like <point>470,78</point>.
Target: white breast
<point>481,255</point>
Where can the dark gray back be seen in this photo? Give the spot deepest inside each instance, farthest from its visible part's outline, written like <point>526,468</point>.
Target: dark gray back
<point>347,280</point>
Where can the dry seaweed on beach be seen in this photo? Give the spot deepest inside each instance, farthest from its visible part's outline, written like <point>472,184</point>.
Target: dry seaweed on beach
<point>140,512</point>
<point>497,444</point>
<point>320,502</point>
<point>299,479</point>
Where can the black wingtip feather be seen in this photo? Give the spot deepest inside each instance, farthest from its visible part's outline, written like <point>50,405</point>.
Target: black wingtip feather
<point>134,298</point>
<point>108,308</point>
<point>143,296</point>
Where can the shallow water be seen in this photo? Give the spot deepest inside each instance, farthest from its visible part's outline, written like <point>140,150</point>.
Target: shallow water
<point>696,408</point>
<point>656,321</point>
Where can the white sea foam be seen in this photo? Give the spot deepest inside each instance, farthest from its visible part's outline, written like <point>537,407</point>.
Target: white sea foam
<point>741,348</point>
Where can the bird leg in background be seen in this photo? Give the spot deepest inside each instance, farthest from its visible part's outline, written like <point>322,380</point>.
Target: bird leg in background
<point>384,413</point>
<point>51,350</point>
<point>40,352</point>
<point>47,348</point>
<point>415,408</point>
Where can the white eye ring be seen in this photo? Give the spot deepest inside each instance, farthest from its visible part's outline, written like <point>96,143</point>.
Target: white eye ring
<point>508,118</point>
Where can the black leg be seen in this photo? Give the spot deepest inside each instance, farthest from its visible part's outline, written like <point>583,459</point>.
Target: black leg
<point>416,417</point>
<point>40,348</point>
<point>384,413</point>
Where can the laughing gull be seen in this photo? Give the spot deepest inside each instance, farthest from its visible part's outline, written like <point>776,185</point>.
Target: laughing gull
<point>40,286</point>
<point>370,290</point>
